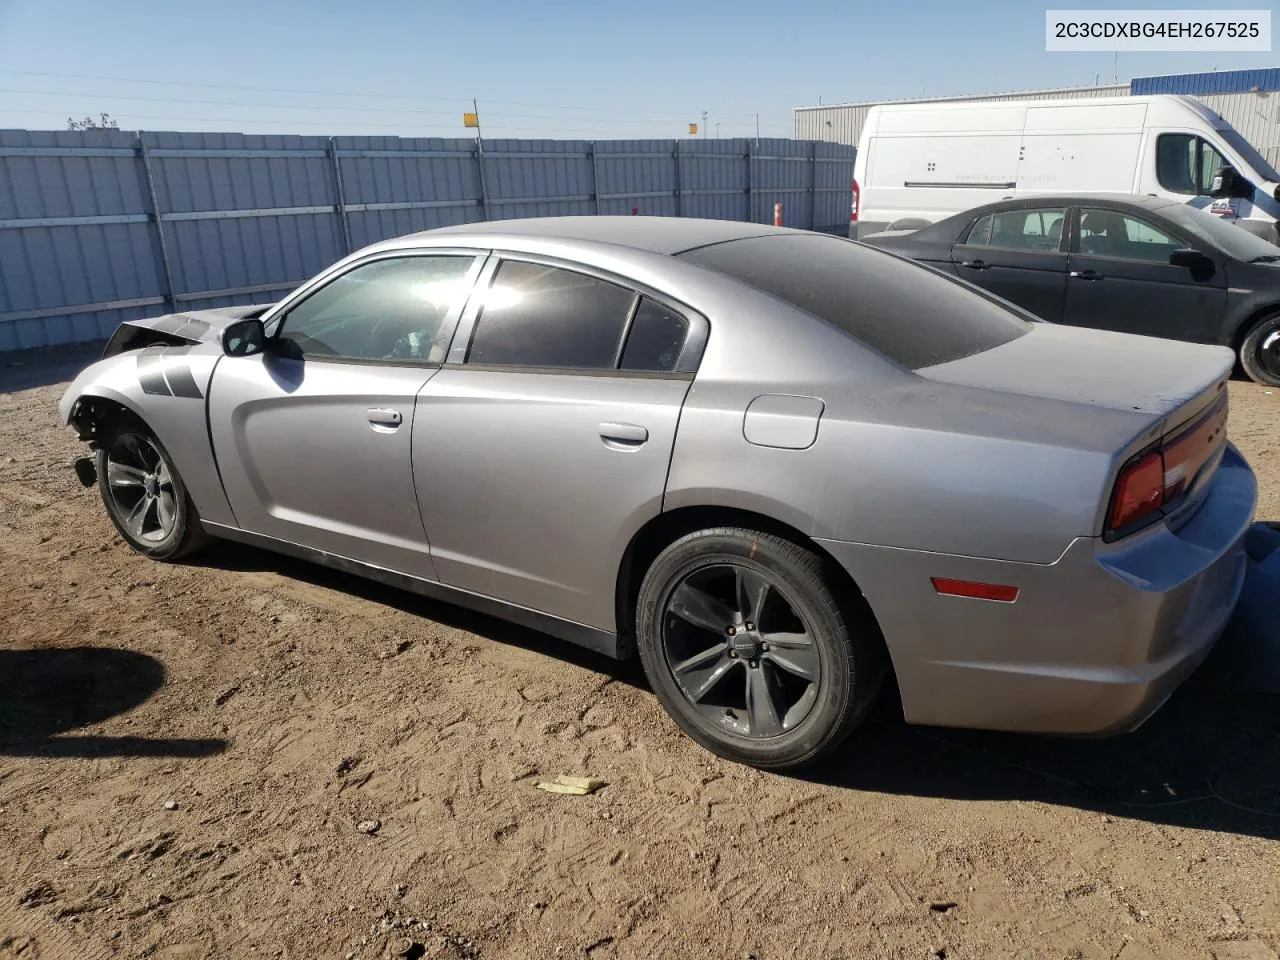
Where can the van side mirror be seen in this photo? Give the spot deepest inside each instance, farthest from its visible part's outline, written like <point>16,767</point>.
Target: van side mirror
<point>1228,183</point>
<point>244,338</point>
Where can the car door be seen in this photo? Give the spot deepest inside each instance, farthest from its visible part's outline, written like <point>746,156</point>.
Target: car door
<point>312,436</point>
<point>543,443</point>
<point>1120,278</point>
<point>1018,254</point>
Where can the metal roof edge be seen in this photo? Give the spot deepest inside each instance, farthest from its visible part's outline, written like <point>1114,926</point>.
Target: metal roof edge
<point>968,96</point>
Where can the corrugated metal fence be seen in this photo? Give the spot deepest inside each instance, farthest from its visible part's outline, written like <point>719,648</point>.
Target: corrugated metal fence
<point>101,226</point>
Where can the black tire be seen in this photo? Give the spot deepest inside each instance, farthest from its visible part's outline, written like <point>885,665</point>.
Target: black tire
<point>1260,351</point>
<point>842,648</point>
<point>182,534</point>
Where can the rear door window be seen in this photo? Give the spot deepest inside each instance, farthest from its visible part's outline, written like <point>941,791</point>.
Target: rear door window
<point>655,339</point>
<point>1037,230</point>
<point>913,315</point>
<point>542,316</point>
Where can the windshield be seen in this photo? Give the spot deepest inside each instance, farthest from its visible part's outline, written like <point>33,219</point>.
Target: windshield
<point>1250,155</point>
<point>911,314</point>
<point>1232,240</point>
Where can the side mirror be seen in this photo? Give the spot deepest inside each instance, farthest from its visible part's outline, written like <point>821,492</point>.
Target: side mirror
<point>244,338</point>
<point>1201,266</point>
<point>1187,258</point>
<point>1228,183</point>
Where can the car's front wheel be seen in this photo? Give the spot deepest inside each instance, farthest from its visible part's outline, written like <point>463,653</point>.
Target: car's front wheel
<point>144,494</point>
<point>1260,351</point>
<point>750,651</point>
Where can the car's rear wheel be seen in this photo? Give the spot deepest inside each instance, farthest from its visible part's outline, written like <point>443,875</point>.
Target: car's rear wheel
<point>1260,351</point>
<point>144,494</point>
<point>750,651</point>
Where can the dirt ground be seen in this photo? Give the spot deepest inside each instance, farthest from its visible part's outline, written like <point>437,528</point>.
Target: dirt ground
<point>186,752</point>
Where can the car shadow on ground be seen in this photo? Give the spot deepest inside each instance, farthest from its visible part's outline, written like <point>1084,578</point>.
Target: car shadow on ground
<point>47,693</point>
<point>1210,758</point>
<point>230,556</point>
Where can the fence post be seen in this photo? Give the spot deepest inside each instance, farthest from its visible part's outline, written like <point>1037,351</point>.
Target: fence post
<point>342,196</point>
<point>675,153</point>
<point>170,302</point>
<point>484,190</point>
<point>595,175</point>
<point>813,187</point>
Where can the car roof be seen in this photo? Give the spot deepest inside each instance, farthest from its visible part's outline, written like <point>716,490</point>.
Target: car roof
<point>664,235</point>
<point>1068,199</point>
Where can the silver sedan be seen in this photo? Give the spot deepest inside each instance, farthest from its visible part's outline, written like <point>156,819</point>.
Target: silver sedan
<point>784,468</point>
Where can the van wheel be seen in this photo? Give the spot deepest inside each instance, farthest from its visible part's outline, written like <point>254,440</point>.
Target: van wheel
<point>1260,351</point>
<point>749,650</point>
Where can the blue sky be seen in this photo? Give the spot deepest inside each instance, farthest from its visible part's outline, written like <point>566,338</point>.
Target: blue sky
<point>572,69</point>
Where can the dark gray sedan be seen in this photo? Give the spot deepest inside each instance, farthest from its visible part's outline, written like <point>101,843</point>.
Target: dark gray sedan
<point>1127,263</point>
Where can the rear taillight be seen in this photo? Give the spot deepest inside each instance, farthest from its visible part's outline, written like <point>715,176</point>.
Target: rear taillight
<point>1157,480</point>
<point>1139,493</point>
<point>853,206</point>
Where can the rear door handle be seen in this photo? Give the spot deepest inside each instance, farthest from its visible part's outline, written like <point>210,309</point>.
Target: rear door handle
<point>623,434</point>
<point>384,417</point>
<point>975,264</point>
<point>1085,275</point>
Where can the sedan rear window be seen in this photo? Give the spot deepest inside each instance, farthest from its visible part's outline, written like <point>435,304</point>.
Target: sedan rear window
<point>911,314</point>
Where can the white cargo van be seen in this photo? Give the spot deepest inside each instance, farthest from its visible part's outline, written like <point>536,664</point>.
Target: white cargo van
<point>920,162</point>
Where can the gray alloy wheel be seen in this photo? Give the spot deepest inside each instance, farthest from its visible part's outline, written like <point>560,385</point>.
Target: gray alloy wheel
<point>1260,351</point>
<point>750,651</point>
<point>143,493</point>
<point>740,653</point>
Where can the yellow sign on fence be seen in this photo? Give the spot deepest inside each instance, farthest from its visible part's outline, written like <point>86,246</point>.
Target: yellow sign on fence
<point>471,119</point>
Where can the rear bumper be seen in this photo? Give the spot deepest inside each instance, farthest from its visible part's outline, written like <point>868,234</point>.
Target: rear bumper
<point>1094,643</point>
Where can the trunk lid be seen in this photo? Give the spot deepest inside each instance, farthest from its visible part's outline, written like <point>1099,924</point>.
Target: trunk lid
<point>1166,379</point>
<point>1172,396</point>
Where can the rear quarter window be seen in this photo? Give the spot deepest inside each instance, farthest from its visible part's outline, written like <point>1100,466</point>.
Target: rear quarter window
<point>911,314</point>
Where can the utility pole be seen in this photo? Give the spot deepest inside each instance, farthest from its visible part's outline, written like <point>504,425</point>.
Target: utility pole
<point>704,123</point>
<point>757,129</point>
<point>717,129</point>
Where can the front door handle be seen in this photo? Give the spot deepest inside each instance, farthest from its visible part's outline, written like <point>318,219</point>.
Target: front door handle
<point>1085,275</point>
<point>384,417</point>
<point>975,264</point>
<point>628,435</point>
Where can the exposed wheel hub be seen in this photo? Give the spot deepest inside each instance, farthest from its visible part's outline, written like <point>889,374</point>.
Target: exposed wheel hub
<point>744,641</point>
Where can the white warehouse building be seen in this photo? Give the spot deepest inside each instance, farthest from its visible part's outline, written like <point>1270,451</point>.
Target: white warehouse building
<point>1249,100</point>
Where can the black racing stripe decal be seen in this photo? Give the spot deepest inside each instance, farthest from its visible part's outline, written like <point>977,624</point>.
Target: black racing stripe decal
<point>182,382</point>
<point>152,382</point>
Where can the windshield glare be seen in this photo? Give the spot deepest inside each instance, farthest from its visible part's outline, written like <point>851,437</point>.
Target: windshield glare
<point>1234,240</point>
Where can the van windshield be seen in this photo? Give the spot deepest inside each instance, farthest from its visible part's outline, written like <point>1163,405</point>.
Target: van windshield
<point>1250,155</point>
<point>914,315</point>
